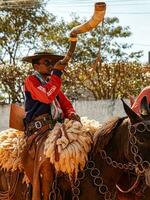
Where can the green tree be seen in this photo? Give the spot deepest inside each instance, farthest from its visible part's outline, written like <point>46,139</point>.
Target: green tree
<point>99,56</point>
<point>12,82</point>
<point>106,81</point>
<point>103,68</point>
<point>21,31</point>
<point>98,59</point>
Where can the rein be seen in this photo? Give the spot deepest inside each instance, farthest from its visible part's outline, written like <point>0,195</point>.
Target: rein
<point>131,188</point>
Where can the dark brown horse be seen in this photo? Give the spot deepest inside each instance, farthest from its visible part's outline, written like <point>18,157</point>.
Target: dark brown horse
<point>121,151</point>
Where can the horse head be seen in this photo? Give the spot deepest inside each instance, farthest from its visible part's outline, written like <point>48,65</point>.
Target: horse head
<point>139,137</point>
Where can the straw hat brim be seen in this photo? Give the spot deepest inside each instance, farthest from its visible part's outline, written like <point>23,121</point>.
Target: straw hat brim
<point>53,58</point>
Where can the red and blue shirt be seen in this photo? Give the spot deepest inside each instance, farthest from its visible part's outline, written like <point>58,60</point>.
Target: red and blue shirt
<point>40,97</point>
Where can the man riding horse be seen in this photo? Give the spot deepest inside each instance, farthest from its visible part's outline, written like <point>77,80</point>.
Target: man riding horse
<point>46,104</point>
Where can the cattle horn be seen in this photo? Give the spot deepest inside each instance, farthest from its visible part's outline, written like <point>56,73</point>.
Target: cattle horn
<point>97,17</point>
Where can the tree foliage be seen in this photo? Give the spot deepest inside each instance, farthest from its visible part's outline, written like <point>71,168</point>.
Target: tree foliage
<point>12,82</point>
<point>106,81</point>
<point>102,66</point>
<point>21,31</point>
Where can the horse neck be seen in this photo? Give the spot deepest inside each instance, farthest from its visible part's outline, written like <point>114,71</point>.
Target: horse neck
<point>116,150</point>
<point>122,135</point>
<point>118,147</point>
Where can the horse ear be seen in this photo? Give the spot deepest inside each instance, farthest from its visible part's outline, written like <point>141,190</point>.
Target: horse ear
<point>144,108</point>
<point>134,118</point>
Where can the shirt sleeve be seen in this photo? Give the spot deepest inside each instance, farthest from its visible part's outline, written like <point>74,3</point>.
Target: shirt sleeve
<point>137,103</point>
<point>44,93</point>
<point>65,104</point>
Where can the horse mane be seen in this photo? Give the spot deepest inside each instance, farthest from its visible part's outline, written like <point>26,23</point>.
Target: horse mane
<point>105,133</point>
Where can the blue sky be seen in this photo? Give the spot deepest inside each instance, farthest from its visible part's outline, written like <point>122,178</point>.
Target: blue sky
<point>132,13</point>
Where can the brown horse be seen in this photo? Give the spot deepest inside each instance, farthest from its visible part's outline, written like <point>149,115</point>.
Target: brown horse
<point>122,148</point>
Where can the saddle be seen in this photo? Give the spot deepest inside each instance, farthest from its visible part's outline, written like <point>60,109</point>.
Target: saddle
<point>38,125</point>
<point>32,159</point>
<point>37,134</point>
<point>17,114</point>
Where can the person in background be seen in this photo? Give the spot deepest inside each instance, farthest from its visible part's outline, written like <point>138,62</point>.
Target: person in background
<point>137,102</point>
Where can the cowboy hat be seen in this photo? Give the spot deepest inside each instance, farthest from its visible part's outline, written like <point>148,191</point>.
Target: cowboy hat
<point>37,55</point>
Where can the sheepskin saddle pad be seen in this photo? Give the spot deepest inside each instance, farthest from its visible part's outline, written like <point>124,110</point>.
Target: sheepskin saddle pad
<point>66,146</point>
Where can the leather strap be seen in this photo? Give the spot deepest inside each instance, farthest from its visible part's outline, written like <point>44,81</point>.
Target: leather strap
<point>43,129</point>
<point>39,125</point>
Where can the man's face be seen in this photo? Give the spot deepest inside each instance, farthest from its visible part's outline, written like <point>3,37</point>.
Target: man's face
<point>44,66</point>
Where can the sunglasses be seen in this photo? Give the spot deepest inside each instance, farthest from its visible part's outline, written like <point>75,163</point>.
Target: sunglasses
<point>48,63</point>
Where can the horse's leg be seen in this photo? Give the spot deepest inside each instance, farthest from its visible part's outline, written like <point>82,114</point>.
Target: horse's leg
<point>47,176</point>
<point>28,164</point>
<point>46,179</point>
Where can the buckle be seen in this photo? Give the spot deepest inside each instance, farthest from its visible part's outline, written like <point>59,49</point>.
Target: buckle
<point>38,124</point>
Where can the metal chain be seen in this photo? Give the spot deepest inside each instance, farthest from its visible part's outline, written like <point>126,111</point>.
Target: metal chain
<point>55,190</point>
<point>95,173</point>
<point>115,164</point>
<point>75,186</point>
<point>140,165</point>
<point>97,180</point>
